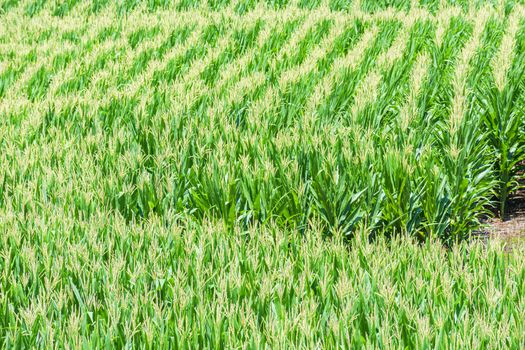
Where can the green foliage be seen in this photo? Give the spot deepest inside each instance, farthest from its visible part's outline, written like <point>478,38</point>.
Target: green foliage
<point>171,283</point>
<point>210,174</point>
<point>504,122</point>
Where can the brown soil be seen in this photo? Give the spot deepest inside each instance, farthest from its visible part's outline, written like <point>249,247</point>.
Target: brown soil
<point>512,229</point>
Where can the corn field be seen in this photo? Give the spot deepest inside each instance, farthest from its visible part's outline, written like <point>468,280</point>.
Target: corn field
<point>260,174</point>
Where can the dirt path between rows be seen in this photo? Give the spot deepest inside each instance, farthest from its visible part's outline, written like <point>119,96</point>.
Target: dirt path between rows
<point>511,230</point>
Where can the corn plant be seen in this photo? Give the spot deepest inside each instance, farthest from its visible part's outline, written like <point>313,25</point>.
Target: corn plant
<point>259,173</point>
<point>503,121</point>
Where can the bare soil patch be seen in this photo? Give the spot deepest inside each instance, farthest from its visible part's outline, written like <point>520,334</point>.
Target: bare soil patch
<point>512,229</point>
